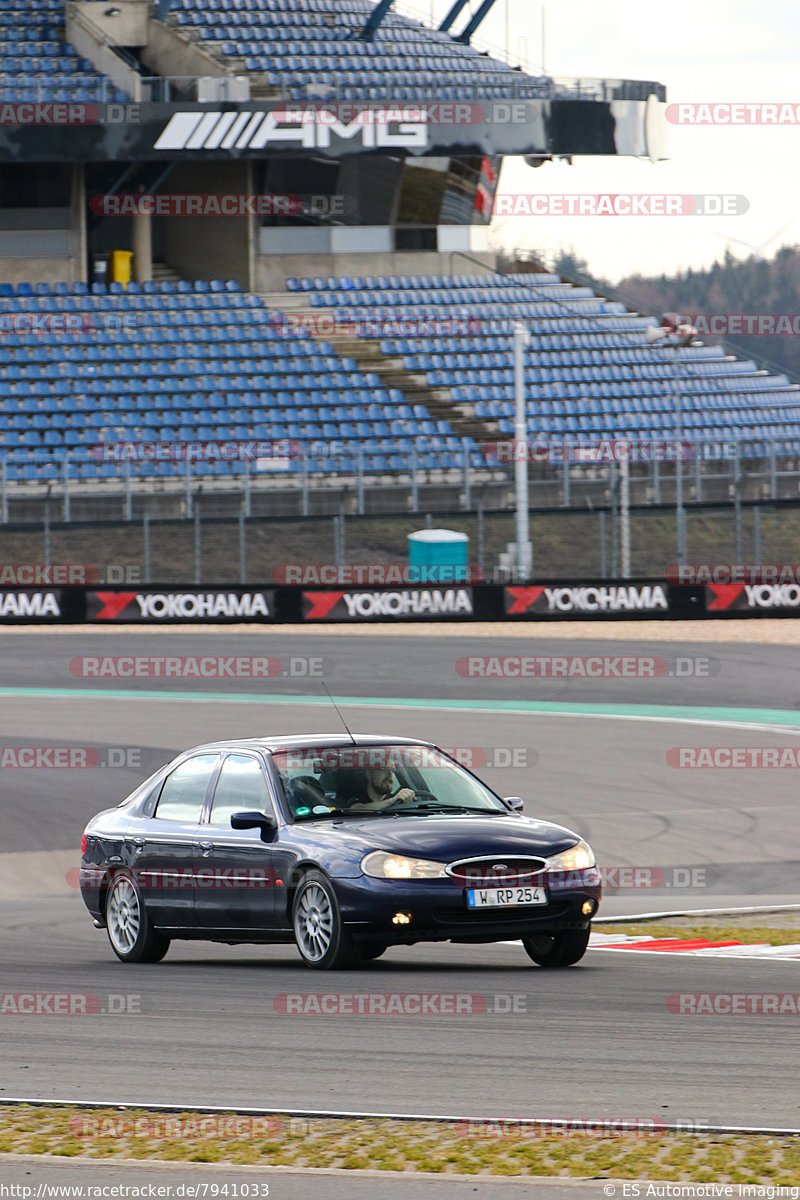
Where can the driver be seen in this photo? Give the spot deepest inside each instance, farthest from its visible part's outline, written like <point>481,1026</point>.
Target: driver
<point>379,791</point>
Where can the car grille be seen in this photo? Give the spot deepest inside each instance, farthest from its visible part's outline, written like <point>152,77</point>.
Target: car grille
<point>497,871</point>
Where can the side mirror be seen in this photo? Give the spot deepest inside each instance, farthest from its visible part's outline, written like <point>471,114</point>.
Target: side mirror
<point>254,820</point>
<point>515,802</point>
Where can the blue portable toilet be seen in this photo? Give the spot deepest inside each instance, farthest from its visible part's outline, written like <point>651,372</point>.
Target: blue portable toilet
<point>438,556</point>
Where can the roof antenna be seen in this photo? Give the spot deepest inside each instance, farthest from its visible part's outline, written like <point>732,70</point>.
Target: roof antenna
<point>339,715</point>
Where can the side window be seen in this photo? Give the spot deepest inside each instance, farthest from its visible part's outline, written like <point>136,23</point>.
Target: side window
<point>241,787</point>
<point>184,790</point>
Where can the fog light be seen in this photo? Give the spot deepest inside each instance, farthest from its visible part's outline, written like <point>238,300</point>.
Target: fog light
<point>401,919</point>
<point>588,907</point>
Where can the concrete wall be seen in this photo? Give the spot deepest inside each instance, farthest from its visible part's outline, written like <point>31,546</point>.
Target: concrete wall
<point>210,247</point>
<point>103,57</point>
<point>39,270</point>
<point>168,54</point>
<point>45,245</point>
<point>129,28</point>
<point>272,270</point>
<point>79,224</point>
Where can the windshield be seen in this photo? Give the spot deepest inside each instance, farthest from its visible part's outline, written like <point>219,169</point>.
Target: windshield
<point>333,781</point>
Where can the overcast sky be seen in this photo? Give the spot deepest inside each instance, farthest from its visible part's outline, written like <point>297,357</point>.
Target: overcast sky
<point>706,50</point>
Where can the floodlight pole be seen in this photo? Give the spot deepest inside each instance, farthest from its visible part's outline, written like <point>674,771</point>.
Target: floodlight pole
<point>523,542</point>
<point>680,511</point>
<point>625,516</point>
<point>683,335</point>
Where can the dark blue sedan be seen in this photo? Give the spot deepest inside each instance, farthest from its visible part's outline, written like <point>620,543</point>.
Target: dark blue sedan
<point>344,846</point>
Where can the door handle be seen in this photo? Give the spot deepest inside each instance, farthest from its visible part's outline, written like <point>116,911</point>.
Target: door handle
<point>206,847</point>
<point>139,842</point>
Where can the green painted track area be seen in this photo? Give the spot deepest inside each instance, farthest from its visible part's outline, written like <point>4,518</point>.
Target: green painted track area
<point>642,712</point>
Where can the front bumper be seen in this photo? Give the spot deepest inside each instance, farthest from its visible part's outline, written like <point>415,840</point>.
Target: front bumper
<point>439,912</point>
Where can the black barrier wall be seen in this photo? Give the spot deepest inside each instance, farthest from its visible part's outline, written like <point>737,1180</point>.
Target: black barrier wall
<point>582,600</point>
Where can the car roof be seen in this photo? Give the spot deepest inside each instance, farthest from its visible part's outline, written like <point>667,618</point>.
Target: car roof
<point>309,740</point>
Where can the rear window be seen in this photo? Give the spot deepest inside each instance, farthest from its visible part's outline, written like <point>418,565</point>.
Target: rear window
<point>184,791</point>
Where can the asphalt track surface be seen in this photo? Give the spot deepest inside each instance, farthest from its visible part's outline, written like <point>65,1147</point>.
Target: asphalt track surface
<point>595,1040</point>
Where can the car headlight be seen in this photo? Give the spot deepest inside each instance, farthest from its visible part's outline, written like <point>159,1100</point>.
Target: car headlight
<point>382,865</point>
<point>577,858</point>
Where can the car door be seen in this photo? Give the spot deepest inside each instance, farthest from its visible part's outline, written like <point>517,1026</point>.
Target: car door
<point>237,872</point>
<point>162,846</point>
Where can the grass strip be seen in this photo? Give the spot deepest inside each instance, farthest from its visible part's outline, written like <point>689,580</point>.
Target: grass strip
<point>472,1148</point>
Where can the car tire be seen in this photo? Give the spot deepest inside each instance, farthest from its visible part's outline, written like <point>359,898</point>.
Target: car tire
<point>560,949</point>
<point>371,950</point>
<point>322,940</point>
<point>133,938</point>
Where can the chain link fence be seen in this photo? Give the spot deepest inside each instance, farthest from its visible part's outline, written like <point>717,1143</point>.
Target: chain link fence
<point>210,549</point>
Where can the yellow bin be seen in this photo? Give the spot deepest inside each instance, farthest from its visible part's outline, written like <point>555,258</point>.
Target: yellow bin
<point>121,266</point>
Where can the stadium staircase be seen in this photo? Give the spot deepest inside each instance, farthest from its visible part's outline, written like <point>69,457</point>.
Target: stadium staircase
<point>438,400</point>
<point>164,274</point>
<point>391,369</point>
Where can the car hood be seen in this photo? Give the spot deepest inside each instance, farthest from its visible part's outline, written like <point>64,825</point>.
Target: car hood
<point>446,839</point>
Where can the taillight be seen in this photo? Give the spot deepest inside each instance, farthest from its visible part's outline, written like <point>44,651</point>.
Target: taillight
<point>83,843</point>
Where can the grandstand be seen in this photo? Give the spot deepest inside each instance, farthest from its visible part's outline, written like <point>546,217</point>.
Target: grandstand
<point>345,332</point>
<point>310,48</point>
<point>36,62</point>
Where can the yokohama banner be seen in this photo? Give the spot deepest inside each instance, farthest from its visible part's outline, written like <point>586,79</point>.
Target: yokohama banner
<point>752,599</point>
<point>408,604</point>
<point>31,606</point>
<point>216,607</point>
<point>588,600</point>
<point>576,600</point>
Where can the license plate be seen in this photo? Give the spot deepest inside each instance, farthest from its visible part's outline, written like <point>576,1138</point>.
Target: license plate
<point>505,897</point>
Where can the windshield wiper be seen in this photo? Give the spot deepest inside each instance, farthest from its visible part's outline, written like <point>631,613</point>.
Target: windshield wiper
<point>443,808</point>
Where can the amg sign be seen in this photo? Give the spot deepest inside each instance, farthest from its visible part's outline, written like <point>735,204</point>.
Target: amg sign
<point>389,128</point>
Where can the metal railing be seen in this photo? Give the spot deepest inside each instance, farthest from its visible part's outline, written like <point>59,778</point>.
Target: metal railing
<point>715,472</point>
